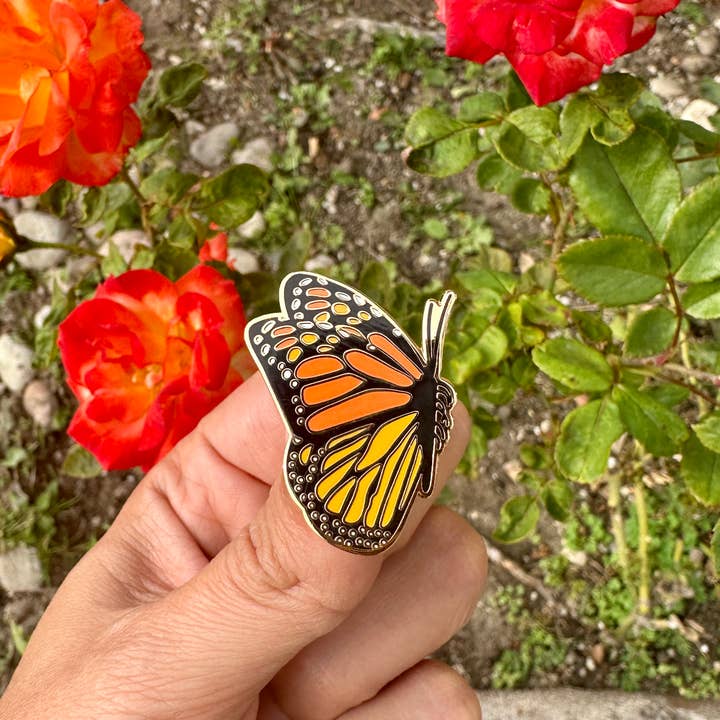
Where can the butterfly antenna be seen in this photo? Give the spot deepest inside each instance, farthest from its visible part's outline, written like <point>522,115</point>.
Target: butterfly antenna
<point>435,323</point>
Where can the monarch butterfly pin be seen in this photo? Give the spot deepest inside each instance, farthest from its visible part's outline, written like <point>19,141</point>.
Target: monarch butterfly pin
<point>367,411</point>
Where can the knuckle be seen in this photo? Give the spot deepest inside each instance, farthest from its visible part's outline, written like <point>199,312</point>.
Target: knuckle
<point>258,568</point>
<point>264,568</point>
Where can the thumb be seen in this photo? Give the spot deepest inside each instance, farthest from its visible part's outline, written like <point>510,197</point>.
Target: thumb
<point>278,586</point>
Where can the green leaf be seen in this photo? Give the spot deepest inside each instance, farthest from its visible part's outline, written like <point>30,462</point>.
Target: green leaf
<point>650,333</point>
<point>708,431</point>
<point>516,96</point>
<point>705,140</point>
<point>658,120</point>
<point>574,365</point>
<point>615,126</point>
<point>173,261</point>
<point>181,84</point>
<point>182,232</point>
<point>543,309</point>
<point>657,427</point>
<point>232,197</point>
<point>518,519</point>
<point>476,449</point>
<point>529,139</point>
<point>167,186</point>
<point>79,463</point>
<point>436,228</point>
<point>576,119</point>
<point>535,457</point>
<point>493,173</point>
<point>113,264</point>
<point>703,301</point>
<point>500,282</point>
<point>616,93</point>
<point>142,151</point>
<point>693,238</point>
<point>441,145</point>
<point>628,189</point>
<point>614,270</point>
<point>14,456</point>
<point>715,548</point>
<point>558,497</point>
<point>618,90</point>
<point>668,394</point>
<point>482,107</point>
<point>58,197</point>
<point>586,438</point>
<point>482,351</point>
<point>700,469</point>
<point>531,196</point>
<point>18,637</point>
<point>591,326</point>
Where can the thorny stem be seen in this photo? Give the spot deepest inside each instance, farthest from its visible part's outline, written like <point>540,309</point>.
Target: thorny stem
<point>618,527</point>
<point>702,156</point>
<point>701,375</point>
<point>681,383</point>
<point>643,536</point>
<point>685,355</point>
<point>72,249</point>
<point>141,199</point>
<point>24,243</point>
<point>679,314</point>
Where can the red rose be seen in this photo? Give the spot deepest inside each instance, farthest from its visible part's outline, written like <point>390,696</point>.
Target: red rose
<point>148,358</point>
<point>555,46</point>
<point>69,71</point>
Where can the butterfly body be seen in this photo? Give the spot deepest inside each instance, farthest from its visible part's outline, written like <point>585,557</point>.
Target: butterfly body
<point>366,410</point>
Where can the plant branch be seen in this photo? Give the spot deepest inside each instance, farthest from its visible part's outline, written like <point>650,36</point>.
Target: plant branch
<point>72,249</point>
<point>679,313</point>
<point>643,535</point>
<point>618,527</point>
<point>647,370</point>
<point>701,156</point>
<point>141,199</point>
<point>702,375</point>
<point>23,243</point>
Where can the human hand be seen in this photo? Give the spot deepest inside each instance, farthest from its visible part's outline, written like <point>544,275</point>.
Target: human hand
<point>210,597</point>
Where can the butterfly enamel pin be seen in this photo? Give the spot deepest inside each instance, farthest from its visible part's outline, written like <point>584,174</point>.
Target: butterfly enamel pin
<point>367,411</point>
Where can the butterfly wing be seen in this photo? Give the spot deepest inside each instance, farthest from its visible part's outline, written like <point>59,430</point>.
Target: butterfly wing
<point>357,398</point>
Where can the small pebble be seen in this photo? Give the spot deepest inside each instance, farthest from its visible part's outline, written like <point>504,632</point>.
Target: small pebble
<point>512,468</point>
<point>666,87</point>
<point>126,242</point>
<point>243,261</point>
<point>256,152</point>
<point>212,147</point>
<point>525,262</point>
<point>20,570</point>
<point>15,363</point>
<point>39,402</point>
<point>707,41</point>
<point>319,263</point>
<point>700,111</point>
<point>41,227</point>
<point>254,227</point>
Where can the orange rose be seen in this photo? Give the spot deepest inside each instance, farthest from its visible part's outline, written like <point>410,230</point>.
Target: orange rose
<point>148,358</point>
<point>69,72</point>
<point>216,248</point>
